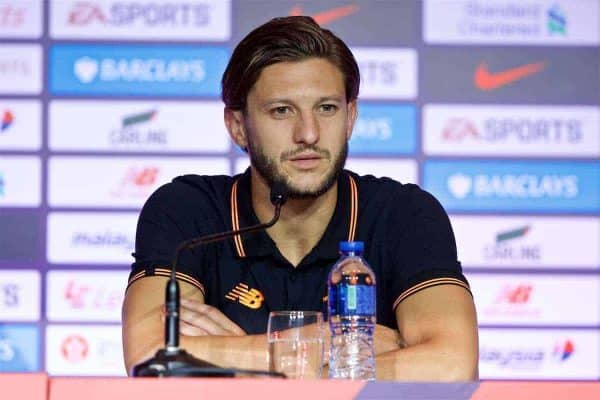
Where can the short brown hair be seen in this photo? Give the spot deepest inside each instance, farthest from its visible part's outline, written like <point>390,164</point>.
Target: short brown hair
<point>284,39</point>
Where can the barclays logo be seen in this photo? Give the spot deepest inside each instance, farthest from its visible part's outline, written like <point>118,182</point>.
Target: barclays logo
<point>514,186</point>
<point>385,129</point>
<point>520,186</point>
<point>87,70</point>
<point>137,70</point>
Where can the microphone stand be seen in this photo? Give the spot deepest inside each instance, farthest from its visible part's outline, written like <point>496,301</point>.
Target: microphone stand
<point>175,361</point>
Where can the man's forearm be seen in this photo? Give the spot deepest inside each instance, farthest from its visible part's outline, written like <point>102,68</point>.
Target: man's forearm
<point>426,362</point>
<point>246,352</point>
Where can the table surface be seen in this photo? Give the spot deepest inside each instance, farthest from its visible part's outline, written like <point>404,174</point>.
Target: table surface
<point>42,387</point>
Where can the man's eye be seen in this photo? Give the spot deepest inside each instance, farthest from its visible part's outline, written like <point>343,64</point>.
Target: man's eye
<point>328,108</point>
<point>282,110</point>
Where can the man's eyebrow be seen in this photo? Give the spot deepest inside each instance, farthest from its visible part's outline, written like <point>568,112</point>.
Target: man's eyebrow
<point>289,101</point>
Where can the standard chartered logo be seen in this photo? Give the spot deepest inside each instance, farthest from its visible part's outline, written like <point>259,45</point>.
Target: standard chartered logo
<point>87,69</point>
<point>514,186</point>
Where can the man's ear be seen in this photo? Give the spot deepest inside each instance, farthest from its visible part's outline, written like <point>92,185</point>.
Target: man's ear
<point>352,115</point>
<point>234,121</point>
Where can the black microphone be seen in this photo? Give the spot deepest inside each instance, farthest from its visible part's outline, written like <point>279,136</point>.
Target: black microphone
<point>174,361</point>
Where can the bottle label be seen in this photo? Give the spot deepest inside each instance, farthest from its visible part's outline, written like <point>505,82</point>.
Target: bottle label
<point>346,300</point>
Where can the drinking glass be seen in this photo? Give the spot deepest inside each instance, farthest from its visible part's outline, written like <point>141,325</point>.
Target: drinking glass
<point>295,341</point>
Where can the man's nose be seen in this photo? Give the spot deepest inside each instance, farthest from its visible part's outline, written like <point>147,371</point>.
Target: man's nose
<point>307,129</point>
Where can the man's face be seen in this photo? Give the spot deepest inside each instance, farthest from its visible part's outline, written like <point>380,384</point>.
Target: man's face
<point>297,123</point>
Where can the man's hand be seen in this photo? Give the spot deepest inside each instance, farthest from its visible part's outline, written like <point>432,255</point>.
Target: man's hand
<point>199,319</point>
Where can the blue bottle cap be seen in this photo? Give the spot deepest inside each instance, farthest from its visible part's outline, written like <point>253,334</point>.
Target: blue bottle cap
<point>356,247</point>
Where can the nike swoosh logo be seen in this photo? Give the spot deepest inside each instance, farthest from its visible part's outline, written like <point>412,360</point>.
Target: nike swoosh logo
<point>486,80</point>
<point>328,16</point>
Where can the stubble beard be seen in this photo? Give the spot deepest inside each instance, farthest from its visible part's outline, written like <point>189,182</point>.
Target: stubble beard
<point>269,170</point>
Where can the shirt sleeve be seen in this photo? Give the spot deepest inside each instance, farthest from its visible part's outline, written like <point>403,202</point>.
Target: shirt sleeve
<point>164,222</point>
<point>426,254</point>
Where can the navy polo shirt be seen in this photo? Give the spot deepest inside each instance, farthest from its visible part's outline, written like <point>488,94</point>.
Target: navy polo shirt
<point>408,243</point>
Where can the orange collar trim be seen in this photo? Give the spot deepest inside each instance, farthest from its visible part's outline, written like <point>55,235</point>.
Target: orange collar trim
<point>235,220</point>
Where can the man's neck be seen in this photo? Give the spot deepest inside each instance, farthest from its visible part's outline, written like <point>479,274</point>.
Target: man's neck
<point>302,222</point>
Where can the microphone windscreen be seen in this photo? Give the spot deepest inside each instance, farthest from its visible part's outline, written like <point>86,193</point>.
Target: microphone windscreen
<point>278,193</point>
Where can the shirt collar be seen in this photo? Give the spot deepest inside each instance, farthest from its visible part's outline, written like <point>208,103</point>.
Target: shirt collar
<point>341,227</point>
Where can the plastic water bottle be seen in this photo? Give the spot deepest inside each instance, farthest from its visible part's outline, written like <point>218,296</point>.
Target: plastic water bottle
<point>352,315</point>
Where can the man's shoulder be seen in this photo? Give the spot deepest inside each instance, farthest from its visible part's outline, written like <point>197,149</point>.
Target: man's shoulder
<point>383,193</point>
<point>372,186</point>
<point>193,191</point>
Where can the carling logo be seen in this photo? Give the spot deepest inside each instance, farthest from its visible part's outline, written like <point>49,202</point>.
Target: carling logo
<point>557,21</point>
<point>384,129</point>
<point>507,246</point>
<point>7,120</point>
<point>523,186</point>
<point>157,20</point>
<point>134,131</point>
<point>137,70</point>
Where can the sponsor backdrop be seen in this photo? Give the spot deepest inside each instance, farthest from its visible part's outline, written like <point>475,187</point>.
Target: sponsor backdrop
<point>491,105</point>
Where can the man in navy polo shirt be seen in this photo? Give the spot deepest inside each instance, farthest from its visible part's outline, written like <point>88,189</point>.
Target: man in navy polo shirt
<point>290,92</point>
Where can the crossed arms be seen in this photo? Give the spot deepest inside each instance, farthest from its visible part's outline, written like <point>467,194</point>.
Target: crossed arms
<point>436,339</point>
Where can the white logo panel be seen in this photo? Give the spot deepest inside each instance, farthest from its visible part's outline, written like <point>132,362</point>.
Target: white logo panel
<point>20,19</point>
<point>538,354</point>
<point>84,350</point>
<point>20,184</point>
<point>511,130</point>
<point>531,300</point>
<point>404,171</point>
<point>527,242</point>
<point>539,22</point>
<point>20,125</point>
<point>112,182</point>
<point>19,295</point>
<point>193,20</point>
<point>91,238</point>
<point>137,126</point>
<point>85,295</point>
<point>387,73</point>
<point>20,69</point>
